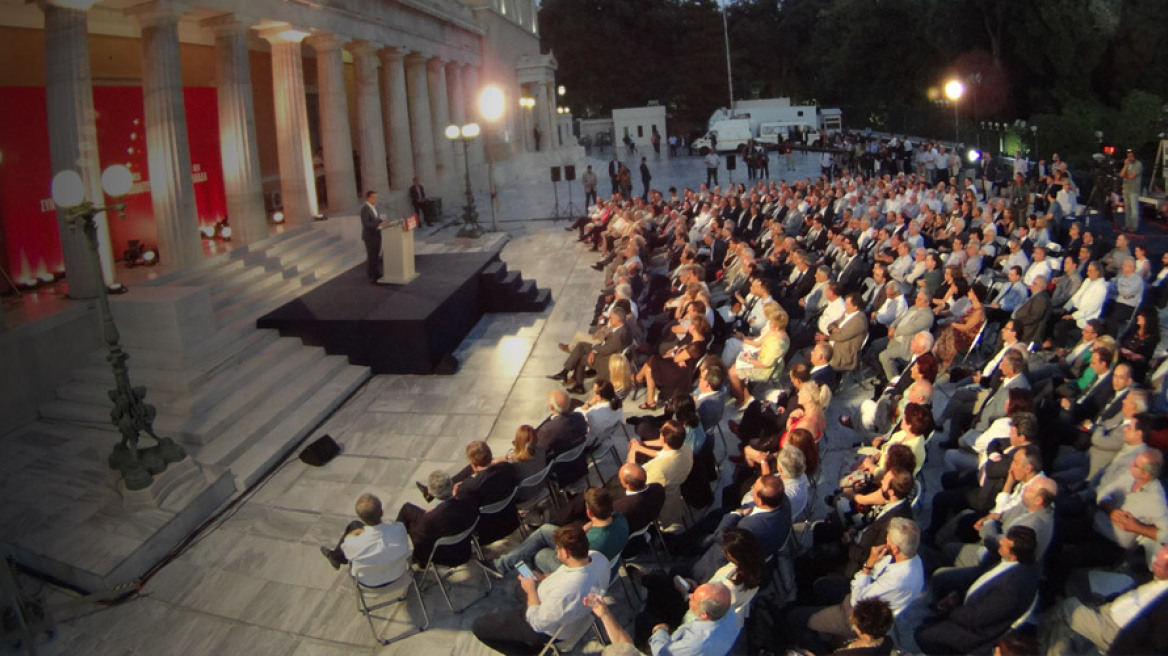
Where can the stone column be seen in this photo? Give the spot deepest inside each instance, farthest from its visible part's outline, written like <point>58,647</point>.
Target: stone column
<point>439,114</point>
<point>544,112</point>
<point>370,136</point>
<point>73,135</point>
<point>242,179</point>
<point>421,130</point>
<point>168,152</point>
<point>297,184</point>
<point>456,102</point>
<point>336,140</point>
<point>397,118</point>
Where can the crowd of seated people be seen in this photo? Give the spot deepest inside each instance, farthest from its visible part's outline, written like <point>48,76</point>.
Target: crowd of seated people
<point>1003,348</point>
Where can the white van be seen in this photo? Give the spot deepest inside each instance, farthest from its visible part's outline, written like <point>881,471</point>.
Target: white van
<point>731,134</point>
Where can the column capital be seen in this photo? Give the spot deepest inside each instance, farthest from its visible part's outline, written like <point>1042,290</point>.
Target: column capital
<point>76,5</point>
<point>228,24</point>
<point>417,58</point>
<point>326,42</point>
<point>275,33</point>
<point>158,12</point>
<point>362,48</point>
<point>393,54</point>
<point>434,63</point>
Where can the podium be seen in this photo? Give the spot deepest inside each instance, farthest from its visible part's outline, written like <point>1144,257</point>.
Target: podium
<point>397,252</point>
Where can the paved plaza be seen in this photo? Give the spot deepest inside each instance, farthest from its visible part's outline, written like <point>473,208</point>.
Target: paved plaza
<point>255,583</point>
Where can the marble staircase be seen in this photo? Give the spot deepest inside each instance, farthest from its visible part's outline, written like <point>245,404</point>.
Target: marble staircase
<point>236,397</point>
<point>241,387</point>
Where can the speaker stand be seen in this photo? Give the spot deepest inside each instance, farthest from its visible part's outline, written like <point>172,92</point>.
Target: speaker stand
<point>556,195</point>
<point>571,206</point>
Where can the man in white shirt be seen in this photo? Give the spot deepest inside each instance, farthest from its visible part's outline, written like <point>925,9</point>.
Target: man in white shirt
<point>1086,304</point>
<point>711,631</point>
<point>1039,267</point>
<point>893,572</point>
<point>1076,621</point>
<point>553,603</point>
<point>376,553</point>
<point>833,309</point>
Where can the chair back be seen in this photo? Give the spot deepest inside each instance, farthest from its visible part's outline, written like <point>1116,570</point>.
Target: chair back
<point>572,454</point>
<point>500,505</point>
<point>453,540</point>
<point>537,479</point>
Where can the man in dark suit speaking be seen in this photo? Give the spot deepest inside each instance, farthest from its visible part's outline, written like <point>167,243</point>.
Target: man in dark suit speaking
<point>371,225</point>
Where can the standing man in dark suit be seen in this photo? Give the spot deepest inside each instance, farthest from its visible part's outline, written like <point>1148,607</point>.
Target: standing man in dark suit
<point>973,620</point>
<point>418,199</point>
<point>614,170</point>
<point>450,517</point>
<point>371,225</point>
<point>646,176</point>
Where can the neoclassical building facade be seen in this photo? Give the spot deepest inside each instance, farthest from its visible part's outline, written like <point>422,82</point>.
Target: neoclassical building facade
<point>231,111</point>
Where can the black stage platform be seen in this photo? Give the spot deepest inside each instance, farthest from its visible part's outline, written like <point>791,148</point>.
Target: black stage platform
<point>406,329</point>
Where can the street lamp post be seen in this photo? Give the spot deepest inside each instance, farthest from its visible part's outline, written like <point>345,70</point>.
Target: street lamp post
<point>954,89</point>
<point>470,215</point>
<point>491,103</point>
<point>131,414</point>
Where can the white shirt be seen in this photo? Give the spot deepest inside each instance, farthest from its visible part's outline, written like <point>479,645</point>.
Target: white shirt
<point>561,597</point>
<point>1037,269</point>
<point>1007,500</point>
<point>832,312</point>
<point>892,308</point>
<point>378,555</point>
<point>1127,606</point>
<point>896,583</point>
<point>1088,301</point>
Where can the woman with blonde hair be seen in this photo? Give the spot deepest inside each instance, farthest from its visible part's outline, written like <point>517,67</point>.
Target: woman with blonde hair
<point>757,359</point>
<point>620,371</point>
<point>809,416</point>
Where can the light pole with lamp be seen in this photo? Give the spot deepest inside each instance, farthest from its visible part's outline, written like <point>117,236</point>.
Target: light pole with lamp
<point>131,414</point>
<point>954,89</point>
<point>470,215</point>
<point>491,102</point>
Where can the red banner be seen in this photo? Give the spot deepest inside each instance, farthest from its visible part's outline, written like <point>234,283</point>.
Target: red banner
<point>27,214</point>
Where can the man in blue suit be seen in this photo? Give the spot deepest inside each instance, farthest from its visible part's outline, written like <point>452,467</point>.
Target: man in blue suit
<point>767,516</point>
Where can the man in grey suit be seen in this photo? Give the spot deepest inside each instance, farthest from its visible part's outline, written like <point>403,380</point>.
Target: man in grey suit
<point>1013,375</point>
<point>371,225</point>
<point>897,346</point>
<point>847,335</point>
<point>1035,511</point>
<point>1031,316</point>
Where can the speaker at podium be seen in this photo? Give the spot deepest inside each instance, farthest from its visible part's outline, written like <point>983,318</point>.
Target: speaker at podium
<point>397,251</point>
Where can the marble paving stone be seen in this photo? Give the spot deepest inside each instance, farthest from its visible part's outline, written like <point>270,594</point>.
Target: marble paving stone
<point>253,641</point>
<point>310,647</point>
<point>271,610</point>
<point>341,469</point>
<point>226,594</point>
<point>320,496</point>
<point>175,581</point>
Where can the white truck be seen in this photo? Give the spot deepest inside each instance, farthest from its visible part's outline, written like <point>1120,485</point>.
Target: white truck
<point>729,135</point>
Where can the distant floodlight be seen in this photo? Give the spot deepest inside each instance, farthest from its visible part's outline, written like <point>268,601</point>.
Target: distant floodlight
<point>491,102</point>
<point>954,89</point>
<point>973,155</point>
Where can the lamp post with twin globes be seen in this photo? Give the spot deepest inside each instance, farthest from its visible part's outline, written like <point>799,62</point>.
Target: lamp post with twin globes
<point>470,215</point>
<point>491,105</point>
<point>131,414</point>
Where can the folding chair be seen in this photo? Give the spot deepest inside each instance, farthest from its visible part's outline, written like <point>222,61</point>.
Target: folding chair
<point>397,589</point>
<point>614,574</point>
<point>431,566</point>
<point>536,480</point>
<point>783,560</point>
<point>570,456</point>
<point>603,445</point>
<point>488,511</point>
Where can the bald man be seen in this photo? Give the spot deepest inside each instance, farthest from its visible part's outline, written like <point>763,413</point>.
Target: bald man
<point>711,631</point>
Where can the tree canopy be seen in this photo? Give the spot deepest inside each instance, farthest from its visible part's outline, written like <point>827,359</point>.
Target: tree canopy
<point>1070,67</point>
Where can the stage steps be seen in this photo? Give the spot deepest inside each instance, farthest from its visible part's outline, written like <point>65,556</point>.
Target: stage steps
<point>240,399</point>
<point>507,291</point>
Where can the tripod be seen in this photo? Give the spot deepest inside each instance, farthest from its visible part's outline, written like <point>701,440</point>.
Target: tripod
<point>571,206</point>
<point>556,195</point>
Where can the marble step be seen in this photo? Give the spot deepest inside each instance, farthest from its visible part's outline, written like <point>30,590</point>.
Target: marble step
<point>215,267</point>
<point>254,302</point>
<point>290,256</point>
<point>311,262</point>
<point>281,408</point>
<point>251,287</point>
<point>177,372</point>
<point>286,435</point>
<point>86,415</point>
<point>228,380</point>
<point>205,428</point>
